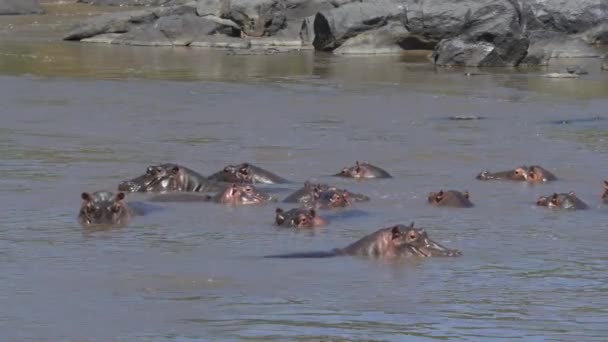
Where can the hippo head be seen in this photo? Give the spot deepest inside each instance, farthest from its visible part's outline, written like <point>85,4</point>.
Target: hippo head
<point>243,194</point>
<point>417,241</point>
<point>538,174</point>
<point>298,218</point>
<point>355,171</point>
<point>158,178</point>
<point>563,200</point>
<point>103,208</point>
<point>331,198</point>
<point>605,194</point>
<point>241,173</point>
<point>518,174</point>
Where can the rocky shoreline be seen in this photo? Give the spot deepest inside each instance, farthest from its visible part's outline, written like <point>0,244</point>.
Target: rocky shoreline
<point>482,33</point>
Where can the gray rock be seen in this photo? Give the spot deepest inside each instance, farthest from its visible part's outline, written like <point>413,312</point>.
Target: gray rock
<point>106,38</point>
<point>564,16</point>
<point>110,23</point>
<point>221,42</point>
<point>123,22</point>
<point>134,2</point>
<point>545,45</point>
<point>491,36</point>
<point>174,30</point>
<point>383,40</point>
<point>333,27</point>
<point>12,7</point>
<point>596,35</point>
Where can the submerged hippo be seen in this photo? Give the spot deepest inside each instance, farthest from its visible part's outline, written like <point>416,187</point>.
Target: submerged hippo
<point>298,218</point>
<point>246,173</point>
<point>450,198</point>
<point>104,208</point>
<point>240,194</point>
<point>363,170</point>
<point>307,193</point>
<point>532,174</point>
<point>605,194</point>
<point>562,201</point>
<point>169,177</point>
<point>330,199</point>
<point>392,242</point>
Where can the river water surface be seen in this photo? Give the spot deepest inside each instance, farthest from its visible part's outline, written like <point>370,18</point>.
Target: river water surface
<point>78,117</point>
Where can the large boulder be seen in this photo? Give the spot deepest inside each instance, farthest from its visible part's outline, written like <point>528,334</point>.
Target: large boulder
<point>122,22</point>
<point>545,45</point>
<point>334,26</point>
<point>11,7</point>
<point>490,35</point>
<point>134,2</point>
<point>596,35</point>
<point>259,18</point>
<point>392,38</point>
<point>567,16</point>
<point>174,30</point>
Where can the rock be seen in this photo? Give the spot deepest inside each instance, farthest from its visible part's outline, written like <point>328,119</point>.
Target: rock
<point>596,35</point>
<point>545,45</point>
<point>134,2</point>
<point>12,7</point>
<point>576,70</point>
<point>123,22</point>
<point>110,23</point>
<point>383,40</point>
<point>220,41</point>
<point>333,27</point>
<point>563,15</point>
<point>174,30</point>
<point>605,63</point>
<point>106,38</point>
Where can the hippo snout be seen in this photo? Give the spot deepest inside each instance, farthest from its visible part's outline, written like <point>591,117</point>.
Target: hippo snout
<point>483,175</point>
<point>129,186</point>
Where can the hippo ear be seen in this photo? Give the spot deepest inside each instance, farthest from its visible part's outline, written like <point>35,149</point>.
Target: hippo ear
<point>411,226</point>
<point>120,196</point>
<point>278,211</point>
<point>357,166</point>
<point>175,169</point>
<point>606,184</point>
<point>86,196</point>
<point>312,212</point>
<point>396,233</point>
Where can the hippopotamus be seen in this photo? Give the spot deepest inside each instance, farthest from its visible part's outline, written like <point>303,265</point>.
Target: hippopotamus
<point>246,173</point>
<point>169,177</point>
<point>330,199</point>
<point>562,201</point>
<point>240,194</point>
<point>391,242</point>
<point>104,208</point>
<point>532,174</point>
<point>298,218</point>
<point>450,198</point>
<point>306,194</point>
<point>605,194</point>
<point>363,170</point>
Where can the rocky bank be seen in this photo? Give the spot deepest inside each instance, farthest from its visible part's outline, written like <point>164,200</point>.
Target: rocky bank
<point>459,32</point>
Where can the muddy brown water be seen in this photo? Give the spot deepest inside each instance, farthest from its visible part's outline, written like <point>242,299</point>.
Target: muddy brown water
<point>78,117</point>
